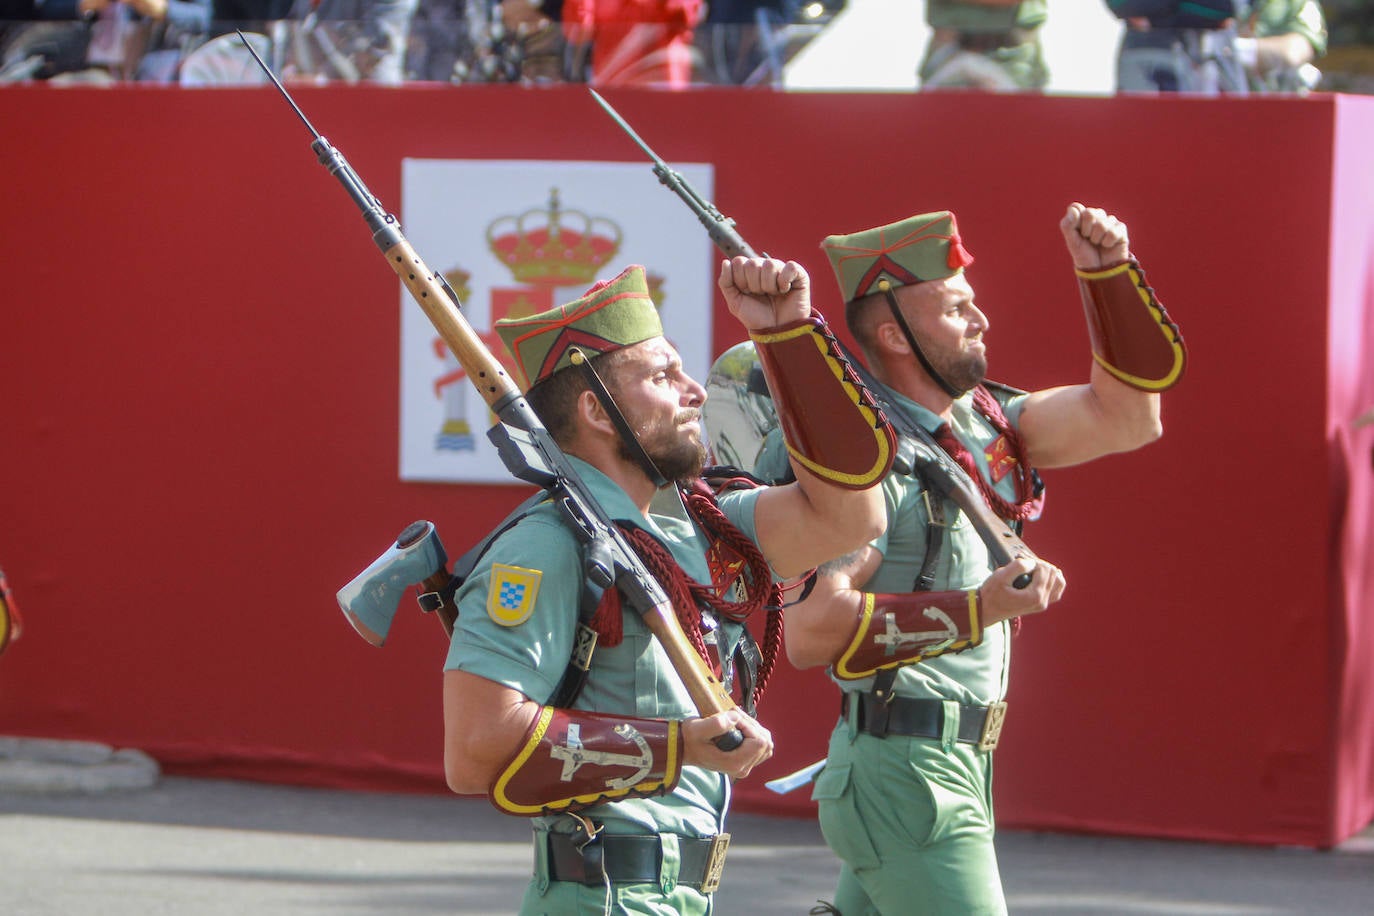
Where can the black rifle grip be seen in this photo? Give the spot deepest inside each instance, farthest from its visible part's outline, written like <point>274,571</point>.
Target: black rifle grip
<point>729,741</point>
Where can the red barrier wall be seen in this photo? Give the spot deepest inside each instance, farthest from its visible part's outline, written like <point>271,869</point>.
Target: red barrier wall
<point>199,386</point>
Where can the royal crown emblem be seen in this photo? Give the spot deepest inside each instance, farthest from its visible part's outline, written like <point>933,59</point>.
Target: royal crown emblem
<point>553,246</point>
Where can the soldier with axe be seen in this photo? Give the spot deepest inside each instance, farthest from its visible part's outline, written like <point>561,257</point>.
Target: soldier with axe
<point>593,633</point>
<point>627,784</point>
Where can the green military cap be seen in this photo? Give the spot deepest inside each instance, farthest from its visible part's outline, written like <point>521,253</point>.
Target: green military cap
<point>919,248</point>
<point>611,315</point>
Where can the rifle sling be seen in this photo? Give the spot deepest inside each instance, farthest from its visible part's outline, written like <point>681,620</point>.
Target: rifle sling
<point>745,661</point>
<point>622,426</point>
<point>943,471</point>
<point>575,675</point>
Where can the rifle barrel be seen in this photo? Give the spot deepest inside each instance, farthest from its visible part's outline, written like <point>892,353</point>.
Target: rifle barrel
<point>625,126</point>
<point>276,82</point>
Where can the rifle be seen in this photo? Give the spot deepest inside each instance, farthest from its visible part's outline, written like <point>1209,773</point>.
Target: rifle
<point>523,442</point>
<point>917,448</point>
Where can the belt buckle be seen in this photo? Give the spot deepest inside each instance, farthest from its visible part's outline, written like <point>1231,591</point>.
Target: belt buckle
<point>715,863</point>
<point>992,726</point>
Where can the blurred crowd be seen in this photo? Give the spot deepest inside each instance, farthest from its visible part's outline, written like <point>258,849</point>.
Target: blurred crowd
<point>671,43</point>
<point>1193,46</point>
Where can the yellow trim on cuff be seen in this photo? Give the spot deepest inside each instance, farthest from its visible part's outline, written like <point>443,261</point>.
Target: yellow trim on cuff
<point>841,666</point>
<point>870,417</point>
<point>502,801</point>
<point>769,336</point>
<point>1160,322</point>
<point>1102,273</point>
<point>975,623</point>
<point>498,789</point>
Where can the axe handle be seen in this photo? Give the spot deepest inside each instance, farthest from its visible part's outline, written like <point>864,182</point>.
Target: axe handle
<point>446,612</point>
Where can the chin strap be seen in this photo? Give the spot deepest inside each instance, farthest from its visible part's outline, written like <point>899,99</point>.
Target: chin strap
<point>570,759</point>
<point>831,423</point>
<point>622,426</point>
<point>895,630</point>
<point>1132,335</point>
<point>897,316</point>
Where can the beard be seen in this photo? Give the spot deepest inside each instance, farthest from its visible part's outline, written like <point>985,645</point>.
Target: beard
<point>962,371</point>
<point>679,455</point>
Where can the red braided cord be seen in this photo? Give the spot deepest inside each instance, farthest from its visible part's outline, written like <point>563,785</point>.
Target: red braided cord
<point>685,593</point>
<point>707,514</point>
<point>1027,504</point>
<point>675,582</point>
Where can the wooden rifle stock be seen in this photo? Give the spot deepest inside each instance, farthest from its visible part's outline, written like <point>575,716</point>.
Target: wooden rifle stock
<point>533,456</point>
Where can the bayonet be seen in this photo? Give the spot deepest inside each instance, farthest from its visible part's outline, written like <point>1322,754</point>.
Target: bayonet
<point>720,227</point>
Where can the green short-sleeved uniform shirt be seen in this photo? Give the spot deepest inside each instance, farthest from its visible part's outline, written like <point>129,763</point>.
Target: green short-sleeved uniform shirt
<point>1021,61</point>
<point>526,643</point>
<point>911,818</point>
<point>977,676</point>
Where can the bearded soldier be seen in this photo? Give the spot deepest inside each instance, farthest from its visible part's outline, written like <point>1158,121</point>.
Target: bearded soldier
<point>625,785</point>
<point>916,626</point>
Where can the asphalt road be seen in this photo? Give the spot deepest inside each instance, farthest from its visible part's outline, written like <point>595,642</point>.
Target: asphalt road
<point>197,847</point>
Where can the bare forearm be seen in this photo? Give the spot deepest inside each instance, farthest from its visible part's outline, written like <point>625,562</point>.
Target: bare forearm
<point>819,628</point>
<point>1126,417</point>
<point>1067,426</point>
<point>810,522</point>
<point>483,724</point>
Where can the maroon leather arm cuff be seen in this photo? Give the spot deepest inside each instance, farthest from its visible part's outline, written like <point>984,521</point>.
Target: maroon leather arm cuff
<point>570,759</point>
<point>831,423</point>
<point>897,630</point>
<point>1132,335</point>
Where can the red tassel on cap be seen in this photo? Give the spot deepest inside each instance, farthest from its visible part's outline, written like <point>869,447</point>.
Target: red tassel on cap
<point>958,254</point>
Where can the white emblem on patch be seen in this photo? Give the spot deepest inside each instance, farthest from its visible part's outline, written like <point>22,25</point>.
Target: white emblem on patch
<point>510,601</point>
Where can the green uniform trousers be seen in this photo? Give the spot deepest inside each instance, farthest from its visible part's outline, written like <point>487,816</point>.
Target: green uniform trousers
<point>563,898</point>
<point>912,821</point>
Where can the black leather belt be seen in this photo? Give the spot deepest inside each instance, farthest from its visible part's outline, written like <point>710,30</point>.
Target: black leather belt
<point>636,860</point>
<point>925,718</point>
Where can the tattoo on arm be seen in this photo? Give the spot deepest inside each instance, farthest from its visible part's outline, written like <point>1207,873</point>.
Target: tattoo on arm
<point>839,564</point>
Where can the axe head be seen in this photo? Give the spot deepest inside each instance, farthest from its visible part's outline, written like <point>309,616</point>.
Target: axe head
<point>370,601</point>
